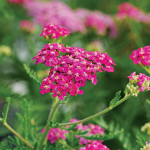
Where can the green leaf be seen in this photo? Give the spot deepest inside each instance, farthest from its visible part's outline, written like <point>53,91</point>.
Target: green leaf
<point>140,140</point>
<point>115,99</point>
<point>26,119</point>
<point>148,101</point>
<point>102,137</point>
<point>32,74</point>
<point>82,133</point>
<point>6,108</point>
<point>70,128</point>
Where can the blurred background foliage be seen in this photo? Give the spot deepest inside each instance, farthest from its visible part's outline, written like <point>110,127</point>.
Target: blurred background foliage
<point>22,47</point>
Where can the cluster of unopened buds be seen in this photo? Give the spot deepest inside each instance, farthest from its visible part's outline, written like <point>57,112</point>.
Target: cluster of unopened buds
<point>146,147</point>
<point>92,130</point>
<point>71,67</point>
<point>138,83</point>
<point>141,56</point>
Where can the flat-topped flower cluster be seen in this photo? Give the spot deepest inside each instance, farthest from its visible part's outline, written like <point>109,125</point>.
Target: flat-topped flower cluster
<point>141,56</point>
<point>71,67</point>
<point>141,80</point>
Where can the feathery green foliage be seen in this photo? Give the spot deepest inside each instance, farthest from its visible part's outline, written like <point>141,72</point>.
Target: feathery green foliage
<point>25,119</point>
<point>70,128</point>
<point>115,99</point>
<point>140,139</point>
<point>5,109</point>
<point>32,74</point>
<point>103,137</point>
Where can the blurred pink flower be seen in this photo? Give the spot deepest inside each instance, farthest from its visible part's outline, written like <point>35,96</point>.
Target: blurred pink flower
<point>55,12</point>
<point>99,21</point>
<point>27,25</point>
<point>128,10</point>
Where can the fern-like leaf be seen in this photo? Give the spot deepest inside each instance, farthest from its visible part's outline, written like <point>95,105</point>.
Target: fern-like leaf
<point>140,140</point>
<point>102,137</point>
<point>5,109</point>
<point>70,128</point>
<point>26,119</point>
<point>32,74</point>
<point>115,99</point>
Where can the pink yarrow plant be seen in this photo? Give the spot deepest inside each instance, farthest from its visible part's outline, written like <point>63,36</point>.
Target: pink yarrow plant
<point>70,68</point>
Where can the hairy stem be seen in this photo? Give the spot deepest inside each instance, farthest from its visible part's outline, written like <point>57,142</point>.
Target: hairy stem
<point>50,118</point>
<point>98,114</point>
<point>65,144</point>
<point>20,137</point>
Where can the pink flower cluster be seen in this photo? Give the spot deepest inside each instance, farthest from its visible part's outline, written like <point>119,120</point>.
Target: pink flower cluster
<point>99,21</point>
<point>128,10</point>
<point>54,31</point>
<point>55,134</point>
<point>91,128</point>
<point>95,146</point>
<point>27,25</point>
<point>142,80</point>
<point>70,68</point>
<point>55,12</point>
<point>141,56</point>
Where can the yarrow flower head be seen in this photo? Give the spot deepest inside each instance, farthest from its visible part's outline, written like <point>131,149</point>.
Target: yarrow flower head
<point>55,134</point>
<point>95,146</point>
<point>146,147</point>
<point>91,128</point>
<point>138,83</point>
<point>141,56</point>
<point>27,25</point>
<point>54,31</point>
<point>128,10</point>
<point>71,67</point>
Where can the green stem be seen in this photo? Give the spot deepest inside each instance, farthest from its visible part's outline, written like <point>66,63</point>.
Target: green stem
<point>145,68</point>
<point>65,144</point>
<point>98,114</point>
<point>50,118</point>
<point>20,137</point>
<point>1,119</point>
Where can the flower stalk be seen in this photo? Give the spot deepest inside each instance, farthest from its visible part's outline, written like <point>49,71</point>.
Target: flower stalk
<point>18,135</point>
<point>50,118</point>
<point>98,114</point>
